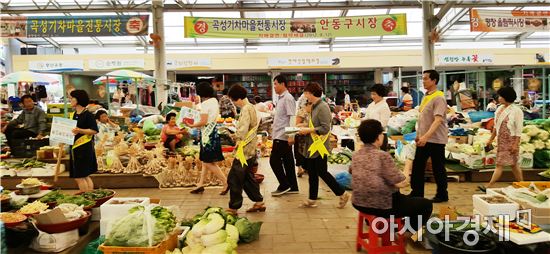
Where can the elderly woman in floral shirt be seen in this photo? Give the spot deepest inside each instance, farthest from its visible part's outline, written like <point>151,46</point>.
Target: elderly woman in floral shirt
<point>376,181</point>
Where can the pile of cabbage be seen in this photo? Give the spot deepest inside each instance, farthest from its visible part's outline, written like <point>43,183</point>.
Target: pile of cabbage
<point>478,146</point>
<point>535,136</point>
<point>143,226</point>
<point>215,231</point>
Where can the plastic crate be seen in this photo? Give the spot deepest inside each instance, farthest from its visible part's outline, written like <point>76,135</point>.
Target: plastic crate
<point>477,116</point>
<point>167,245</point>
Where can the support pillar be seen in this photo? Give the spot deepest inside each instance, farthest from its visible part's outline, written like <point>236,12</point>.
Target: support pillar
<point>517,82</point>
<point>378,76</point>
<point>428,53</point>
<point>160,52</point>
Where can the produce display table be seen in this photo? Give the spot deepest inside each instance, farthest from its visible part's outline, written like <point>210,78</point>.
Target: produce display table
<point>64,161</point>
<point>117,181</point>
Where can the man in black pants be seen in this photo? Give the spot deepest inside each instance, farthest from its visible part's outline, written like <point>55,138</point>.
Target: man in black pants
<point>432,135</point>
<point>282,158</point>
<point>32,119</point>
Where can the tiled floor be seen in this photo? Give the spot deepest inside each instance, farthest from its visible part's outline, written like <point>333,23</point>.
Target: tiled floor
<point>290,229</point>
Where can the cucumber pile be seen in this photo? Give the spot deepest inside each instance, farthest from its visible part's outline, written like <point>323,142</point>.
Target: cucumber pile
<point>343,157</point>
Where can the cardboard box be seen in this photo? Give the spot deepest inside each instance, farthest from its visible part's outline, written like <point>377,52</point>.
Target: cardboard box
<point>55,216</point>
<point>181,104</point>
<point>459,139</point>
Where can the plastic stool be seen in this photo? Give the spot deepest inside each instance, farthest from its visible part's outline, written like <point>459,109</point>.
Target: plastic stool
<point>372,245</point>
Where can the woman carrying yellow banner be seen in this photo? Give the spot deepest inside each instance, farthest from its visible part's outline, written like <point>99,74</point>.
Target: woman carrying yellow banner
<point>83,160</point>
<point>240,176</point>
<point>318,146</point>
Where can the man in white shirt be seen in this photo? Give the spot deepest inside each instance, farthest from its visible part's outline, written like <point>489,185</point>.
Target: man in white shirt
<point>378,109</point>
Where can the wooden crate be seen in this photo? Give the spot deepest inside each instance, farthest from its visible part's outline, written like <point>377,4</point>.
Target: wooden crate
<point>167,245</point>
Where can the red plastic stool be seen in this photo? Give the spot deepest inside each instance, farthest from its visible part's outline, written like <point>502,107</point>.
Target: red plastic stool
<point>372,245</point>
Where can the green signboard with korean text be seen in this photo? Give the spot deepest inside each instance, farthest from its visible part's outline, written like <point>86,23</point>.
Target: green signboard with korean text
<point>74,26</point>
<point>250,28</point>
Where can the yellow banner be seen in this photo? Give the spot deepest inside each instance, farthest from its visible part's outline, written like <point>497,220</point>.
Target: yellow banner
<point>250,28</point>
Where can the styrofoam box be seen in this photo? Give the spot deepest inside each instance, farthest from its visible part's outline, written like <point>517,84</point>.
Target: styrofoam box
<point>523,239</point>
<point>96,214</point>
<point>104,226</point>
<point>493,191</point>
<point>487,209</point>
<point>114,211</point>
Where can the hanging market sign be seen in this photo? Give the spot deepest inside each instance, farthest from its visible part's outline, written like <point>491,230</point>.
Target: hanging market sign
<point>465,59</point>
<point>303,62</point>
<point>56,66</point>
<point>508,21</point>
<point>64,26</point>
<point>116,64</point>
<point>375,25</point>
<point>195,63</point>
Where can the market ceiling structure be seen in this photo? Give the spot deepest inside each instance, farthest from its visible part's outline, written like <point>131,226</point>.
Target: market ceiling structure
<point>453,23</point>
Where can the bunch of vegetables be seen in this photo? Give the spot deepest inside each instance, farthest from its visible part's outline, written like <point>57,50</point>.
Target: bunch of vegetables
<point>97,194</point>
<point>351,122</point>
<point>190,151</point>
<point>476,149</point>
<point>52,196</point>
<point>26,163</point>
<point>134,229</point>
<point>215,231</point>
<point>343,157</point>
<point>77,200</point>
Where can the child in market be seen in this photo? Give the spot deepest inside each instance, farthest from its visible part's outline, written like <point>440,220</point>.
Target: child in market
<point>241,176</point>
<point>107,128</point>
<point>171,134</point>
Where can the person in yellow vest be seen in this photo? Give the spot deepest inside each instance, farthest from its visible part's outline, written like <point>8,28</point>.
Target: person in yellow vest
<point>240,175</point>
<point>318,146</point>
<point>431,137</point>
<point>83,159</point>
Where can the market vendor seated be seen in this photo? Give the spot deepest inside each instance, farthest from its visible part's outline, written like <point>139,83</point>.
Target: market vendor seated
<point>106,126</point>
<point>33,120</point>
<point>376,181</point>
<point>171,134</point>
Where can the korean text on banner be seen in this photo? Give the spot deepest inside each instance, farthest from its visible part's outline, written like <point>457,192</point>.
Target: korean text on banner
<point>375,25</point>
<point>62,131</point>
<point>63,26</point>
<point>508,21</point>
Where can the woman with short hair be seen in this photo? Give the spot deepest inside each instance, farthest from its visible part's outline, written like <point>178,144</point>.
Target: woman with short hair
<point>83,159</point>
<point>240,175</point>
<point>508,127</point>
<point>210,143</point>
<point>317,148</point>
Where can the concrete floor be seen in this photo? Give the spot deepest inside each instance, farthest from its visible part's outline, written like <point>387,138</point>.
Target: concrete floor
<point>290,229</point>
